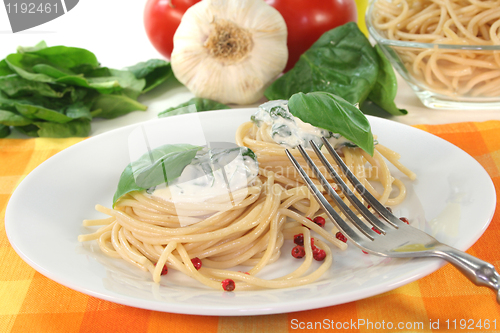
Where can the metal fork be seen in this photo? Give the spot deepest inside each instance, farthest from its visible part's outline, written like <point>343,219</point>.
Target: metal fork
<point>388,236</point>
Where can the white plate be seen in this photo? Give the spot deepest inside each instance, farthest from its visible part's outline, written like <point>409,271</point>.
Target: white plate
<point>453,198</point>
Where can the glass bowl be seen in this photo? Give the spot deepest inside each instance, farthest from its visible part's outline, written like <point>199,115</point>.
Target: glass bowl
<point>444,76</point>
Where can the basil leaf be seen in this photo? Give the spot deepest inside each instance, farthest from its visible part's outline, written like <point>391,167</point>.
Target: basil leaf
<point>163,164</point>
<point>200,104</point>
<point>386,87</point>
<point>335,114</point>
<point>342,62</point>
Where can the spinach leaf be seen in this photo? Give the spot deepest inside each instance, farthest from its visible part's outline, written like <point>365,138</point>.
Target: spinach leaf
<point>90,71</point>
<point>39,112</point>
<point>9,118</point>
<point>386,87</point>
<point>64,56</point>
<point>29,130</point>
<point>39,46</point>
<point>5,69</point>
<point>113,106</point>
<point>80,110</point>
<point>132,86</point>
<point>111,81</point>
<point>16,86</point>
<point>163,164</point>
<point>60,110</point>
<point>335,114</point>
<point>74,128</point>
<point>104,85</point>
<point>154,71</point>
<point>198,105</point>
<point>342,62</point>
<point>4,131</point>
<point>63,84</point>
<point>22,64</point>
<point>51,71</point>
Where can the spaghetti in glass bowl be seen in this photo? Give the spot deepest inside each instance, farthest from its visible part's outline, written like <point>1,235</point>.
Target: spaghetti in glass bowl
<point>448,51</point>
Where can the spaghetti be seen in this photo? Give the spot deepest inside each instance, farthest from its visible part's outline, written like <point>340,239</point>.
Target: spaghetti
<point>146,230</point>
<point>451,72</point>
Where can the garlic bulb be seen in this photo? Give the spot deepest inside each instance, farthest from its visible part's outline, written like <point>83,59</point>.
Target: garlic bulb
<point>229,50</point>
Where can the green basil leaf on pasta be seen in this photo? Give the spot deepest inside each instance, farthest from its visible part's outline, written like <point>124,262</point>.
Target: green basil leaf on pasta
<point>335,114</point>
<point>161,165</point>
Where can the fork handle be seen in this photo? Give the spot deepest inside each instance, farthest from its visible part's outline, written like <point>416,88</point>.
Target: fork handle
<point>478,271</point>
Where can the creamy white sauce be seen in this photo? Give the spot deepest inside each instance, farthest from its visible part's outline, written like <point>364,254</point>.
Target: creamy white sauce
<point>290,131</point>
<point>211,174</point>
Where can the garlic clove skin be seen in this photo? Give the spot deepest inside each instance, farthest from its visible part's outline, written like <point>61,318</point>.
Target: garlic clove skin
<point>230,50</point>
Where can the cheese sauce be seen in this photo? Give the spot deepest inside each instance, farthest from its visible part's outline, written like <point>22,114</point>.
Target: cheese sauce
<point>212,173</point>
<point>289,131</point>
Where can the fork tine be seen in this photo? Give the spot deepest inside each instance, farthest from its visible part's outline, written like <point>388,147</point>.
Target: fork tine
<point>348,193</point>
<point>334,216</point>
<point>405,242</point>
<point>374,203</point>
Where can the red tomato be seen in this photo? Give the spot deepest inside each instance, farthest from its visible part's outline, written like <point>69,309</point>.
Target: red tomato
<point>161,19</point>
<point>307,20</point>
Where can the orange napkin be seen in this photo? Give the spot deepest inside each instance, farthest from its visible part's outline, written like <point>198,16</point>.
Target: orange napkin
<point>443,301</point>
